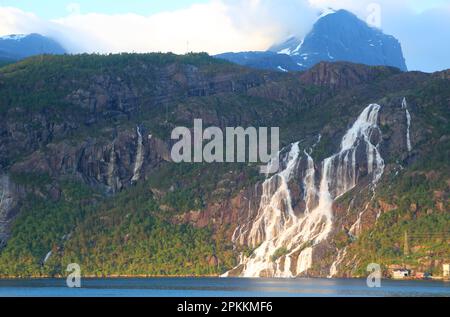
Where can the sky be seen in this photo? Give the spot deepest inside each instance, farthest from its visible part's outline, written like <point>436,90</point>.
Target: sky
<point>217,26</point>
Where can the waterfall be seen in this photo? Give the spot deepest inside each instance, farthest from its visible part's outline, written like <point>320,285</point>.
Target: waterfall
<point>47,257</point>
<point>408,123</point>
<point>5,192</point>
<point>7,203</point>
<point>356,227</point>
<point>340,257</point>
<point>278,231</point>
<point>2,196</point>
<point>139,157</point>
<point>309,184</point>
<point>112,168</point>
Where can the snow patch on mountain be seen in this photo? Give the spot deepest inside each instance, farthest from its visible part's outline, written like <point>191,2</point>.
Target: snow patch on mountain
<point>14,37</point>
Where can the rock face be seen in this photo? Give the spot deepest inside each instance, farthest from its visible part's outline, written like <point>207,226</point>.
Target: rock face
<point>110,165</point>
<point>340,75</point>
<point>348,130</point>
<point>263,60</point>
<point>17,47</point>
<point>341,36</point>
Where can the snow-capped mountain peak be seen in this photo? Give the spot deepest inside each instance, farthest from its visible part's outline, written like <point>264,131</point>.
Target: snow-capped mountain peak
<point>15,47</point>
<point>326,12</point>
<point>342,36</point>
<point>13,37</point>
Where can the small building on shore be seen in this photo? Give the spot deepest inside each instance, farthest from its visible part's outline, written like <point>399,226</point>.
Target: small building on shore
<point>446,271</point>
<point>401,274</point>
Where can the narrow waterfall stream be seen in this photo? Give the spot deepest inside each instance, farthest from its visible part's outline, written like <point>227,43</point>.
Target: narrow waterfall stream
<point>408,122</point>
<point>139,157</point>
<point>112,167</point>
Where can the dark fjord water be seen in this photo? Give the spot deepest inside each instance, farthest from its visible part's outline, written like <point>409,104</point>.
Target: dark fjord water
<point>217,287</point>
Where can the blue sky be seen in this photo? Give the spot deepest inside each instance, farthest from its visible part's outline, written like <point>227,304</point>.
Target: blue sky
<point>50,9</point>
<point>217,26</point>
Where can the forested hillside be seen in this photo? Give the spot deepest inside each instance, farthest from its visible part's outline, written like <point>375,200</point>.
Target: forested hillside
<point>72,129</point>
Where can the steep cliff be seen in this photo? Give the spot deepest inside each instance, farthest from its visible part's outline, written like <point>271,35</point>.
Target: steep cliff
<point>86,172</point>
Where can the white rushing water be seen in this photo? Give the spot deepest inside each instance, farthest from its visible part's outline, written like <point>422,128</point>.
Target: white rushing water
<point>284,241</point>
<point>7,202</point>
<point>5,192</point>
<point>408,123</point>
<point>139,157</point>
<point>340,257</point>
<point>112,167</point>
<point>47,256</point>
<point>2,195</point>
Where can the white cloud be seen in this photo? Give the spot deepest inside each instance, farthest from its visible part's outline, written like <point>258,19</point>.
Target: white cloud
<point>13,20</point>
<point>206,27</point>
<point>236,25</point>
<point>214,27</point>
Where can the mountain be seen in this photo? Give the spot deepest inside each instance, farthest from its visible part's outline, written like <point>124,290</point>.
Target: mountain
<point>86,175</point>
<point>341,36</point>
<point>336,36</point>
<point>17,47</point>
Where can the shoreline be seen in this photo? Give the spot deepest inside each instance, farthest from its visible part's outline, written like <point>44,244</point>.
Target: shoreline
<point>115,277</point>
<point>105,277</point>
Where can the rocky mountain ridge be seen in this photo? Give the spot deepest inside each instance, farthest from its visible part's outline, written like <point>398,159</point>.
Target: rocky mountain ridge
<point>20,46</point>
<point>93,134</point>
<point>338,36</point>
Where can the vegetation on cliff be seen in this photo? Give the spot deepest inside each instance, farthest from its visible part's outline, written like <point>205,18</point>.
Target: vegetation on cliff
<point>67,139</point>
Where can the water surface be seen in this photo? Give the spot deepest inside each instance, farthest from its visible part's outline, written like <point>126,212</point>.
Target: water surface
<point>221,287</point>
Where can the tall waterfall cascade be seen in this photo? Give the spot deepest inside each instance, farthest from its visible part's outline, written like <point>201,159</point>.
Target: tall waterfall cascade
<point>139,157</point>
<point>283,240</point>
<point>408,123</point>
<point>112,167</point>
